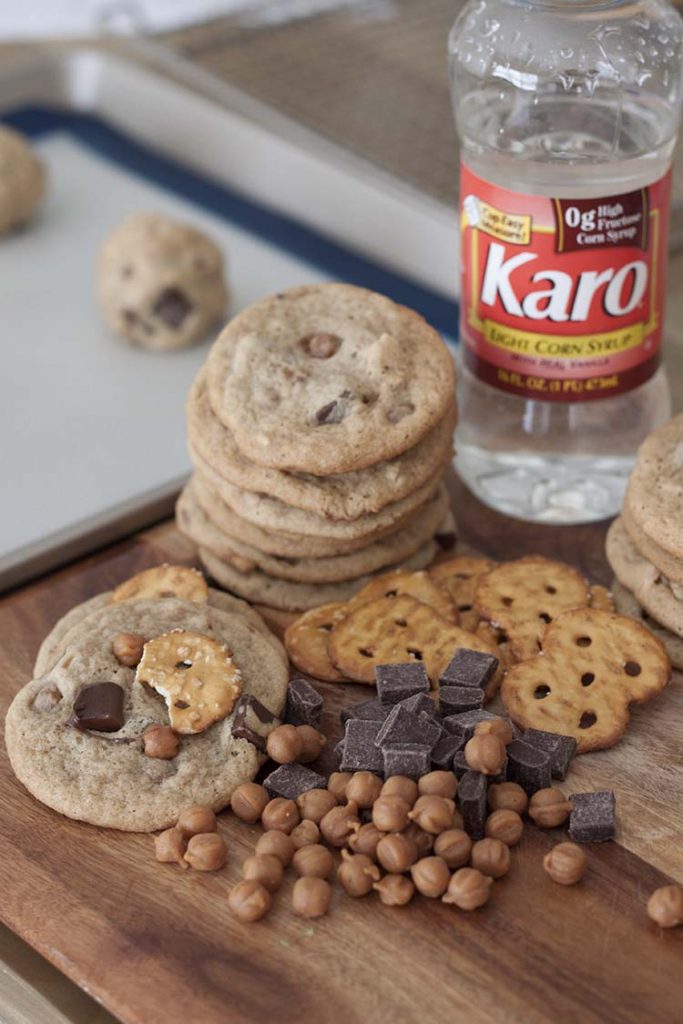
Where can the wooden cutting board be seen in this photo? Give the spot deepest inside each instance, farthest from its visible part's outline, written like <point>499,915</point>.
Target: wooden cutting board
<point>155,944</point>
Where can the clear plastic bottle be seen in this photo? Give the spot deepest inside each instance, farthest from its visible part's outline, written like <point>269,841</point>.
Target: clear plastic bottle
<point>567,112</point>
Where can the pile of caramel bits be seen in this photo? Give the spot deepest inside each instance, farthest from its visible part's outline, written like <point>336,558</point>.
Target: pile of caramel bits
<point>394,837</point>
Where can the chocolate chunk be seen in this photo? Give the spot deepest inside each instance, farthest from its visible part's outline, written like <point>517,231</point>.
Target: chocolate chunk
<point>421,703</point>
<point>99,707</point>
<point>593,819</point>
<point>472,794</point>
<point>332,413</point>
<point>339,750</point>
<point>253,722</point>
<point>446,540</point>
<point>291,780</point>
<point>528,766</point>
<point>172,306</point>
<point>411,759</point>
<point>445,750</point>
<point>360,752</point>
<point>469,668</point>
<point>455,700</point>
<point>398,682</point>
<point>561,749</point>
<point>463,724</point>
<point>304,704</point>
<point>403,726</point>
<point>371,710</point>
<point>460,766</point>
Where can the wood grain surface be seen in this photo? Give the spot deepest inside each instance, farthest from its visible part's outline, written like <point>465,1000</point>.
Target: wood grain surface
<point>155,944</point>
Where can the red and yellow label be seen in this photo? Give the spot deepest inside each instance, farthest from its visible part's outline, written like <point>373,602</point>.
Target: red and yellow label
<point>562,299</point>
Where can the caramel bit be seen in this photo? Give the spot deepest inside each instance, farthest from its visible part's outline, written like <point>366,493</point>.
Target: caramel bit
<point>250,901</point>
<point>160,741</point>
<point>264,868</point>
<point>314,861</point>
<point>339,823</point>
<point>279,844</point>
<point>438,784</point>
<point>306,833</point>
<point>395,890</point>
<point>566,863</point>
<point>315,803</point>
<point>499,727</point>
<point>485,754</point>
<point>311,897</point>
<point>507,796</point>
<point>401,785</point>
<point>249,801</point>
<point>196,820</point>
<point>127,648</point>
<point>424,841</point>
<point>337,784</point>
<point>505,825</point>
<point>454,847</point>
<point>390,813</point>
<point>170,846</point>
<point>312,743</point>
<point>357,873</point>
<point>196,676</point>
<point>397,852</point>
<point>548,808</point>
<point>491,857</point>
<point>284,744</point>
<point>206,852</point>
<point>665,906</point>
<point>365,840</point>
<point>280,814</point>
<point>433,814</point>
<point>364,788</point>
<point>468,889</point>
<point>431,876</point>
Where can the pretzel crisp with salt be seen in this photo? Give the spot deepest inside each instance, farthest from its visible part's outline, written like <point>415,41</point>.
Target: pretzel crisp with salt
<point>593,664</point>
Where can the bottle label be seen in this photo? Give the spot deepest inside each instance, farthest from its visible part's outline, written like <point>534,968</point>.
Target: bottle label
<point>562,299</point>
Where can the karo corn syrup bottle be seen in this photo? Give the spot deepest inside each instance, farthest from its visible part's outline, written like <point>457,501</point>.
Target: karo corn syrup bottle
<point>567,112</point>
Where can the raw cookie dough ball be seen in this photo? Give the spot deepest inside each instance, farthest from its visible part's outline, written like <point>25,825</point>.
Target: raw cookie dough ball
<point>161,283</point>
<point>22,180</point>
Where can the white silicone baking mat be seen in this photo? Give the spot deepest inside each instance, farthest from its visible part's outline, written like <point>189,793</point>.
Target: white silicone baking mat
<point>87,423</point>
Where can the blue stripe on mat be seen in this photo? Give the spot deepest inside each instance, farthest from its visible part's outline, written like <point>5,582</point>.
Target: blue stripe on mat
<point>339,261</point>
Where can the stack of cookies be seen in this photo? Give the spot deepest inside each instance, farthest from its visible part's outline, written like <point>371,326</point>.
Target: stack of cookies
<point>645,544</point>
<point>320,429</point>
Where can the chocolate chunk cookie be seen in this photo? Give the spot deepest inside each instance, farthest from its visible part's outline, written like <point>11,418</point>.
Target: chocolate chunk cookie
<point>328,379</point>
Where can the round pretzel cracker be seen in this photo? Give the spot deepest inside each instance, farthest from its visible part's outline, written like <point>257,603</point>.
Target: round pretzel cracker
<point>306,641</point>
<point>459,577</point>
<point>592,666</point>
<point>522,597</point>
<point>195,674</point>
<point>163,581</point>
<point>394,630</point>
<point>413,584</point>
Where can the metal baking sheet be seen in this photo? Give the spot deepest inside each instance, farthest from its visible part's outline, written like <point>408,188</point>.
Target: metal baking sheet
<point>93,430</point>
